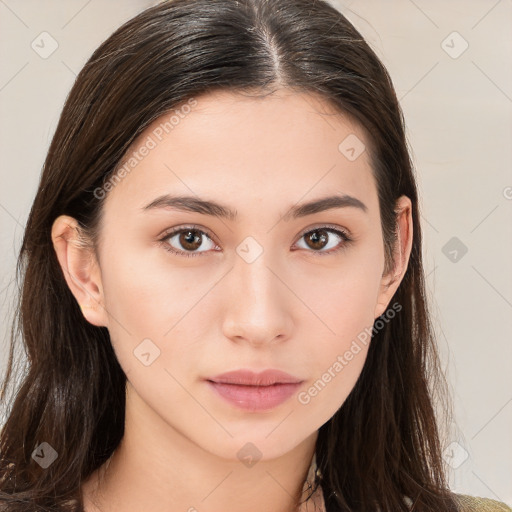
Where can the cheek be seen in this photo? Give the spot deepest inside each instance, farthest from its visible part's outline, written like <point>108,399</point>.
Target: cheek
<point>344,295</point>
<point>338,358</point>
<point>144,301</point>
<point>345,304</point>
<point>143,290</point>
<point>149,298</point>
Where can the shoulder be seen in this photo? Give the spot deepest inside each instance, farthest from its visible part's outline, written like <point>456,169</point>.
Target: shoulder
<point>476,504</point>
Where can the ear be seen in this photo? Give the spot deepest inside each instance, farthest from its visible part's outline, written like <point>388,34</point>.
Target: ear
<point>391,281</point>
<point>80,268</point>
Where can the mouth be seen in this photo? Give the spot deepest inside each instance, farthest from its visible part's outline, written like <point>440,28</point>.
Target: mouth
<point>254,398</point>
<point>254,392</point>
<point>250,378</point>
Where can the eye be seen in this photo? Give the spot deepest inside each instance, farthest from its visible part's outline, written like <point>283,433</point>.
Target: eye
<point>321,238</point>
<point>188,239</point>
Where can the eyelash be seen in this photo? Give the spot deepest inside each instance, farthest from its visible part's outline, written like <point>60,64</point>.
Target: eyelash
<point>346,240</point>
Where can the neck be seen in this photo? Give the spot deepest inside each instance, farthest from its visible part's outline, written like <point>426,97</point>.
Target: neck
<point>157,468</point>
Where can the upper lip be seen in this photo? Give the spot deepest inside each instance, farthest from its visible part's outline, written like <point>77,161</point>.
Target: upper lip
<point>250,378</point>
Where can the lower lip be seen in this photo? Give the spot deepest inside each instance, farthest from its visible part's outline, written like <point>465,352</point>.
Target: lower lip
<point>255,398</point>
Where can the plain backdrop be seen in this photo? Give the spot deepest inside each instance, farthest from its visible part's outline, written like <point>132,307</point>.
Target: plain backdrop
<point>450,63</point>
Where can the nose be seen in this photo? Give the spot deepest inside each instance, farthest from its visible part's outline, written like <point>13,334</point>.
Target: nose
<point>258,303</point>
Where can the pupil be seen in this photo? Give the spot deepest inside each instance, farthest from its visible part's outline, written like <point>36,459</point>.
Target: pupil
<point>318,240</point>
<point>188,239</point>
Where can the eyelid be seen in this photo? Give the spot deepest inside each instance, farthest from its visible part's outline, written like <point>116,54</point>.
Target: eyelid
<point>346,239</point>
<point>169,233</point>
<point>335,227</point>
<point>177,229</point>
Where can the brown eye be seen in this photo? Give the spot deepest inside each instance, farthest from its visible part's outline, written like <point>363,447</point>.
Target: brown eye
<point>190,240</point>
<point>317,239</point>
<point>187,241</point>
<point>325,237</point>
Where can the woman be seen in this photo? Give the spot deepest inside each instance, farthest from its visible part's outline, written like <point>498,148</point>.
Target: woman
<point>223,301</point>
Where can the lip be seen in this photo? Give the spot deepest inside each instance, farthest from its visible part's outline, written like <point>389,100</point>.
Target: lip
<point>252,391</point>
<point>249,378</point>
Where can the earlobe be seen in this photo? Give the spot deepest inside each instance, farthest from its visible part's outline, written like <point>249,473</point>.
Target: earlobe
<point>391,281</point>
<point>80,268</point>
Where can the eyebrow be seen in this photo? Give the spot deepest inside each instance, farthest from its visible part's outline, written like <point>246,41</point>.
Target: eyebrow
<point>214,209</point>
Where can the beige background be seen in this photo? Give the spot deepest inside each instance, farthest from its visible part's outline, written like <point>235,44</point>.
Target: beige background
<point>458,107</point>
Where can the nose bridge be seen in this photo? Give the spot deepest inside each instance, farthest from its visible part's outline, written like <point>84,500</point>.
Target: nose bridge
<point>256,280</point>
<point>257,307</point>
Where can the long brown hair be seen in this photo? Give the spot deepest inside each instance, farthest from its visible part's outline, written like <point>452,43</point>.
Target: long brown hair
<point>384,442</point>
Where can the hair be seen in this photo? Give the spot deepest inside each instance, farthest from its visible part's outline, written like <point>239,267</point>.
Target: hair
<point>384,442</point>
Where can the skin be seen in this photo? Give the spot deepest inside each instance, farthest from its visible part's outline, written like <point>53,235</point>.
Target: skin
<point>294,310</point>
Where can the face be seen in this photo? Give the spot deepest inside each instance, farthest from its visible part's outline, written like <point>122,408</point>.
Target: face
<point>188,295</point>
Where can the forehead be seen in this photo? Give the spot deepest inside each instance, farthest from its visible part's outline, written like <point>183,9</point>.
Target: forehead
<point>286,146</point>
